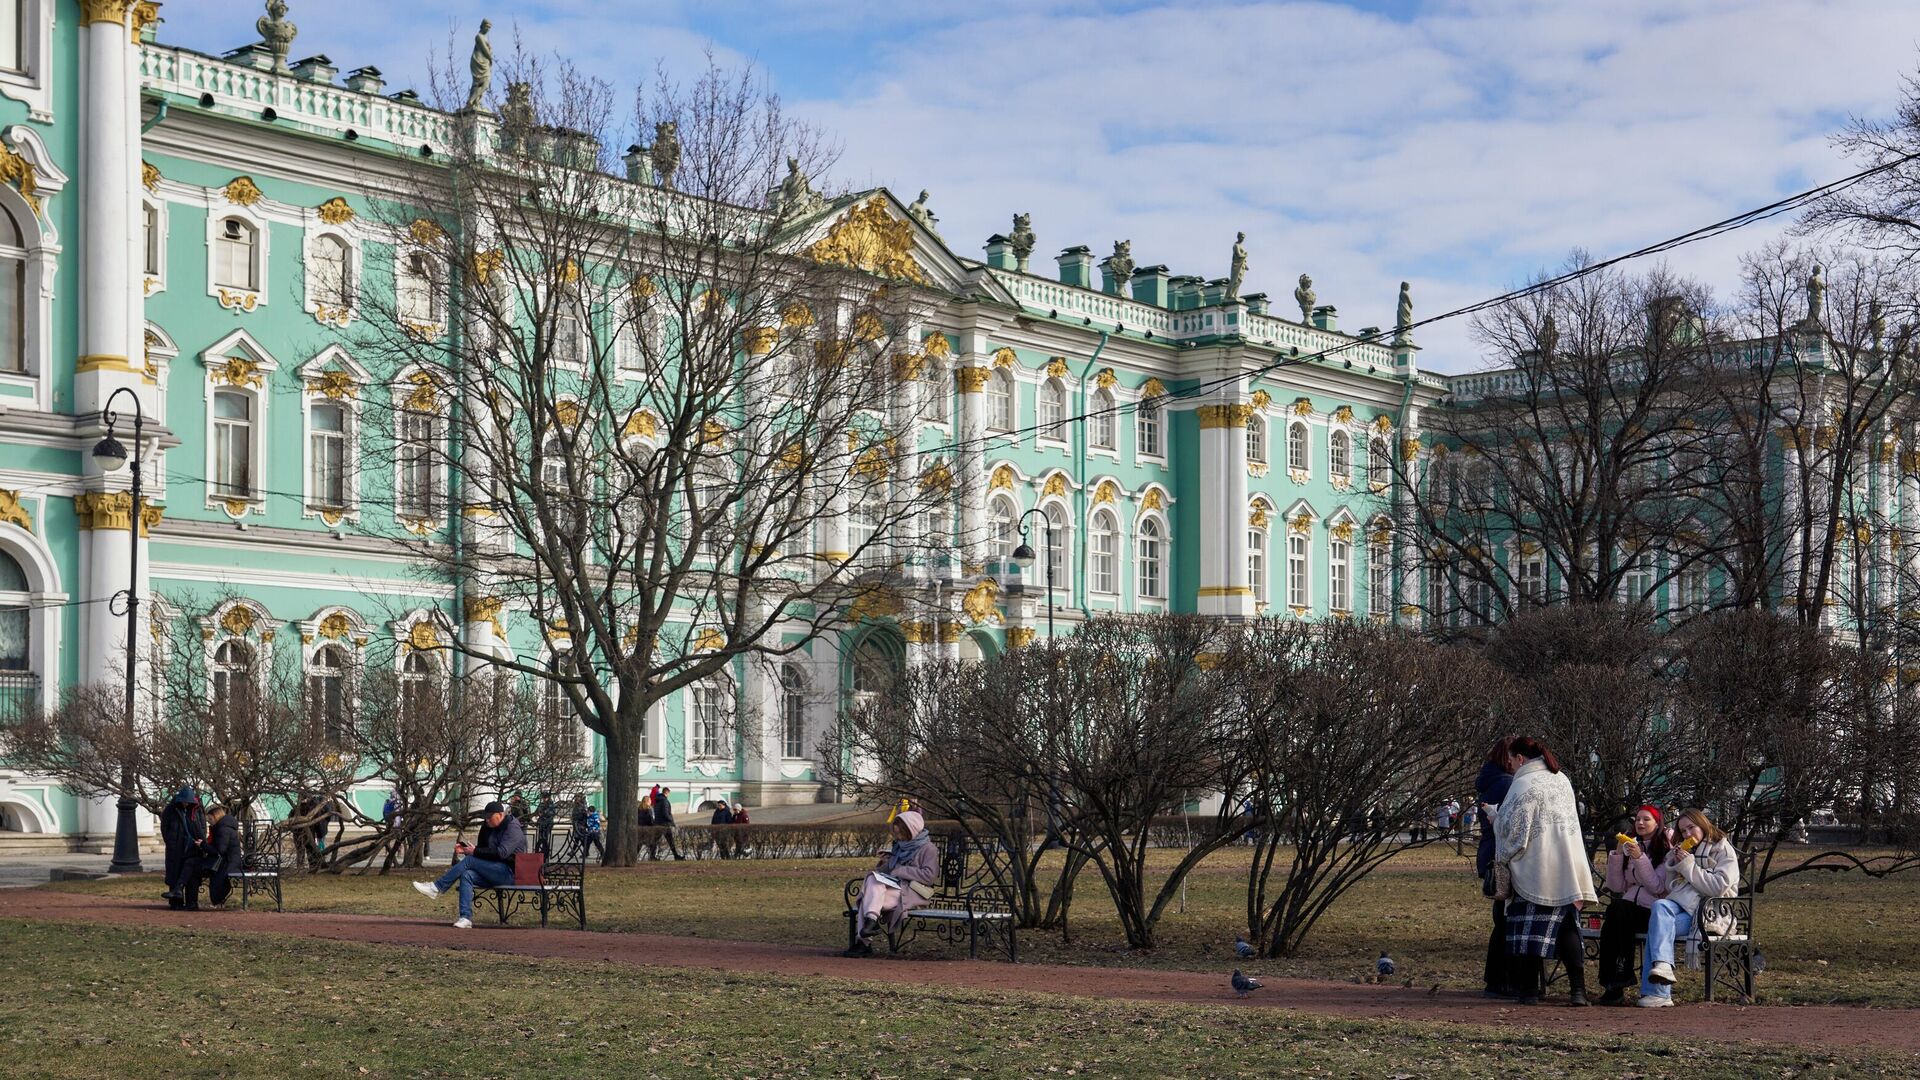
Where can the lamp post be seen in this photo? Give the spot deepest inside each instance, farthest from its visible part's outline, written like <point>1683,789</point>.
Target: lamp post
<point>1023,558</point>
<point>112,457</point>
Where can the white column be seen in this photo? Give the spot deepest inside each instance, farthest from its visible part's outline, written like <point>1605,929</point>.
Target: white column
<point>1224,589</point>
<point>970,375</point>
<point>109,288</point>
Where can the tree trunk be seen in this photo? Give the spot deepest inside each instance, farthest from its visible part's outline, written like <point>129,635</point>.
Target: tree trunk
<point>623,792</point>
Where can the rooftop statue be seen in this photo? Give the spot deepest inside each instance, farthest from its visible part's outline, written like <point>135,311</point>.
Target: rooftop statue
<point>1120,264</point>
<point>1303,295</point>
<point>1403,316</point>
<point>919,212</point>
<point>480,66</point>
<point>795,197</point>
<point>277,32</point>
<point>1022,240</point>
<point>1816,294</point>
<point>517,115</point>
<point>1237,271</point>
<point>666,151</point>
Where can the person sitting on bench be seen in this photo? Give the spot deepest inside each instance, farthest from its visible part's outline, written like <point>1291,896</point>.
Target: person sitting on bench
<point>903,880</point>
<point>219,860</point>
<point>1702,865</point>
<point>488,864</point>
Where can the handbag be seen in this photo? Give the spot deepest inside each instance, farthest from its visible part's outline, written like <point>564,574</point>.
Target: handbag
<point>1502,878</point>
<point>921,889</point>
<point>529,868</point>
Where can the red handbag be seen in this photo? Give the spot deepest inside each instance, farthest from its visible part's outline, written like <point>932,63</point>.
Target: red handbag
<point>529,868</point>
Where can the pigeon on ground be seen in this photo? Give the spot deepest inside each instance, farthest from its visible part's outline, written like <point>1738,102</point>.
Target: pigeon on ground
<point>1241,949</point>
<point>1384,965</point>
<point>1242,985</point>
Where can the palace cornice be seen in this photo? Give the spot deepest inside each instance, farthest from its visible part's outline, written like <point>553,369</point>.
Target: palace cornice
<point>300,541</point>
<point>64,431</point>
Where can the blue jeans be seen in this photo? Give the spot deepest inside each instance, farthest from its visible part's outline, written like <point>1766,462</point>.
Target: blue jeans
<point>469,872</point>
<point>1665,923</point>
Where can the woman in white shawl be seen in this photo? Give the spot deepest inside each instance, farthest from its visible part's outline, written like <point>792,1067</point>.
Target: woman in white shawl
<point>1537,839</point>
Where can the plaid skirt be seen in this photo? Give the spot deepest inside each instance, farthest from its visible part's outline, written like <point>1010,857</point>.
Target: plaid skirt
<point>1533,930</point>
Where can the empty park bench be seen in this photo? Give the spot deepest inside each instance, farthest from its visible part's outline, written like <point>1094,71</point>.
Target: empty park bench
<point>262,847</point>
<point>1729,958</point>
<point>552,883</point>
<point>969,900</point>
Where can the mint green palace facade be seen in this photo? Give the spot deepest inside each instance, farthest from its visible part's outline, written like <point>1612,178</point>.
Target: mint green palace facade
<point>197,230</point>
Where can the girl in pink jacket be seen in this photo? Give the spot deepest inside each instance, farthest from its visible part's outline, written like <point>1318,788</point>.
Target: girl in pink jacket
<point>1635,880</point>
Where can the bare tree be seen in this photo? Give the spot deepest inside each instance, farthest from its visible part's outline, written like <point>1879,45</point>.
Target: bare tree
<point>679,404</point>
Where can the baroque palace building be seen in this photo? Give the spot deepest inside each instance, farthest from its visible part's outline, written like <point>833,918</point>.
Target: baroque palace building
<point>193,228</point>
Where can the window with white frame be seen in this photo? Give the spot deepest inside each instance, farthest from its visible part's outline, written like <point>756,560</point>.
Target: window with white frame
<point>236,263</point>
<point>13,35</point>
<point>1052,414</point>
<point>415,474</point>
<point>937,527</point>
<point>570,343</point>
<point>13,293</point>
<point>327,455</point>
<point>1057,544</point>
<point>233,422</point>
<point>419,686</point>
<point>793,711</point>
<point>707,730</point>
<point>330,262</point>
<point>1256,440</point>
<point>327,714</point>
<point>1694,588</point>
<point>1339,456</point>
<point>234,690</point>
<point>566,735</point>
<point>1340,574</point>
<point>1379,463</point>
<point>560,496</point>
<point>1102,436</point>
<point>1532,575</point>
<point>1000,400</point>
<point>1257,565</point>
<point>1146,429</point>
<point>16,617</point>
<point>1105,554</point>
<point>1379,580</point>
<point>1151,560</point>
<point>939,390</point>
<point>863,530</point>
<point>416,289</point>
<point>1002,534</point>
<point>1299,588</point>
<point>149,236</point>
<point>1299,448</point>
<point>1636,586</point>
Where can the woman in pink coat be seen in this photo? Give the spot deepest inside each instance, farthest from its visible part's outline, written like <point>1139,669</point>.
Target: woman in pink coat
<point>903,879</point>
<point>1634,878</point>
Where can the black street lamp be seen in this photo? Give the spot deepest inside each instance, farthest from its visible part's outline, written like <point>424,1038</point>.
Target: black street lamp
<point>112,457</point>
<point>1023,558</point>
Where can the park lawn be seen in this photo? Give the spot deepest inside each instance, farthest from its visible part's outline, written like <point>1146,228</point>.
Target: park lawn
<point>1827,938</point>
<point>104,1001</point>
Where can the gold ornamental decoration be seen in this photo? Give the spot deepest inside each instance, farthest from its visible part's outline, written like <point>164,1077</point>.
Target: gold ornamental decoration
<point>1002,478</point>
<point>1153,388</point>
<point>1383,423</point>
<point>334,384</point>
<point>239,371</point>
<point>236,508</point>
<point>110,510</point>
<point>875,603</point>
<point>334,211</point>
<point>1302,406</point>
<point>568,412</point>
<point>971,380</point>
<point>96,11</point>
<point>759,340</point>
<point>1107,492</point>
<point>1105,379</point>
<point>1409,449</point>
<point>1003,357</point>
<point>641,423</point>
<point>1258,518</point>
<point>1019,637</point>
<point>937,478</point>
<point>981,603</point>
<point>18,171</point>
<point>1342,531</point>
<point>868,327</point>
<point>485,264</point>
<point>238,620</point>
<point>871,239</point>
<point>1262,399</point>
<point>1153,500</point>
<point>423,397</point>
<point>423,636</point>
<point>907,366</point>
<point>710,639</point>
<point>797,316</point>
<point>242,191</point>
<point>1224,416</point>
<point>1056,485</point>
<point>336,626</point>
<point>1344,414</point>
<point>145,14</point>
<point>425,232</point>
<point>487,609</point>
<point>1057,367</point>
<point>149,175</point>
<point>12,513</point>
<point>1301,523</point>
<point>936,345</point>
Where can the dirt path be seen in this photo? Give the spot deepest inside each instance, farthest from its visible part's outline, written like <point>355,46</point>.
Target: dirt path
<point>1835,1026</point>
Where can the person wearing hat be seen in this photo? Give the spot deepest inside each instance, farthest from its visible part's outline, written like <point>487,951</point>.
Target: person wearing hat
<point>488,864</point>
<point>182,828</point>
<point>1637,884</point>
<point>903,880</point>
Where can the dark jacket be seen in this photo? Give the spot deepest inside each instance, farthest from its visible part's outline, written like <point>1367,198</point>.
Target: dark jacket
<point>503,843</point>
<point>182,824</point>
<point>646,815</point>
<point>223,848</point>
<point>722,816</point>
<point>1490,787</point>
<point>663,812</point>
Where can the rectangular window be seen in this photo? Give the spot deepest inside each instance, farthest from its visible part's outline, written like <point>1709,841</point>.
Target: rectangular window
<point>1533,580</point>
<point>1257,565</point>
<point>1150,560</point>
<point>413,470</point>
<point>1105,558</point>
<point>232,444</point>
<point>1339,580</point>
<point>327,450</point>
<point>1256,441</point>
<point>13,35</point>
<point>1636,586</point>
<point>1379,580</point>
<point>1000,401</point>
<point>707,727</point>
<point>1298,593</point>
<point>150,222</point>
<point>1695,591</point>
<point>1146,430</point>
<point>793,713</point>
<point>1053,411</point>
<point>233,263</point>
<point>939,394</point>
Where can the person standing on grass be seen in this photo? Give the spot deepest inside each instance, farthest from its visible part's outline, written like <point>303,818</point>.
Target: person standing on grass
<point>182,827</point>
<point>591,836</point>
<point>1701,865</point>
<point>1637,883</point>
<point>663,820</point>
<point>740,845</point>
<point>219,860</point>
<point>1537,838</point>
<point>902,880</point>
<point>1490,789</point>
<point>488,864</point>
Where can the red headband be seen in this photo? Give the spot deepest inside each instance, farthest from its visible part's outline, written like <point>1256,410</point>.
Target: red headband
<point>1658,819</point>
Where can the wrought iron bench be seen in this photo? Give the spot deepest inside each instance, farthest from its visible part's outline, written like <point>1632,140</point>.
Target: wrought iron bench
<point>561,887</point>
<point>262,851</point>
<point>1729,957</point>
<point>970,900</point>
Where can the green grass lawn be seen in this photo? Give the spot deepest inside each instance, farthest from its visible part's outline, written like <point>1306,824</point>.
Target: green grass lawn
<point>110,1002</point>
<point>1828,938</point>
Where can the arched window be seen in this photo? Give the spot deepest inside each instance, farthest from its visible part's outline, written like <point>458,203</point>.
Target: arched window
<point>327,455</point>
<point>1340,574</point>
<point>1053,410</point>
<point>419,685</point>
<point>1146,429</point>
<point>1257,565</point>
<point>416,290</point>
<point>1299,592</point>
<point>1298,450</point>
<point>234,247</point>
<point>233,689</point>
<point>1256,440</point>
<point>1105,560</point>
<point>793,711</point>
<point>1000,400</point>
<point>331,264</point>
<point>1379,463</point>
<point>15,622</point>
<point>13,293</point>
<point>1339,456</point>
<point>1057,543</point>
<point>327,695</point>
<point>233,444</point>
<point>706,734</point>
<point>1152,556</point>
<point>1102,421</point>
<point>1002,537</point>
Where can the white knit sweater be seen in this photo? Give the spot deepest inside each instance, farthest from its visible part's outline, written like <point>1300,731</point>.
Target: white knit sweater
<point>1537,835</point>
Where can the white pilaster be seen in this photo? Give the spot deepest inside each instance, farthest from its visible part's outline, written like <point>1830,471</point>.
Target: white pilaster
<point>1224,589</point>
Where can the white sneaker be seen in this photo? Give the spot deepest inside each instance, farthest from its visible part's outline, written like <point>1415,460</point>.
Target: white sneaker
<point>427,889</point>
<point>1651,1001</point>
<point>463,924</point>
<point>1662,973</point>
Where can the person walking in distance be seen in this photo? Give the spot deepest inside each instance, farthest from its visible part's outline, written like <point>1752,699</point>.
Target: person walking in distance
<point>663,820</point>
<point>1548,878</point>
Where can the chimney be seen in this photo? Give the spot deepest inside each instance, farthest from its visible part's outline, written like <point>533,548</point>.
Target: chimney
<point>1256,303</point>
<point>1214,293</point>
<point>366,80</point>
<point>1324,316</point>
<point>256,55</point>
<point>1150,285</point>
<point>1000,252</point>
<point>1187,291</point>
<point>639,161</point>
<point>317,68</point>
<point>1076,267</point>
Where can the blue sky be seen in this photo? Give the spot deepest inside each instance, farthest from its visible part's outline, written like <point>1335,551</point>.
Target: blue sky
<point>1461,144</point>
